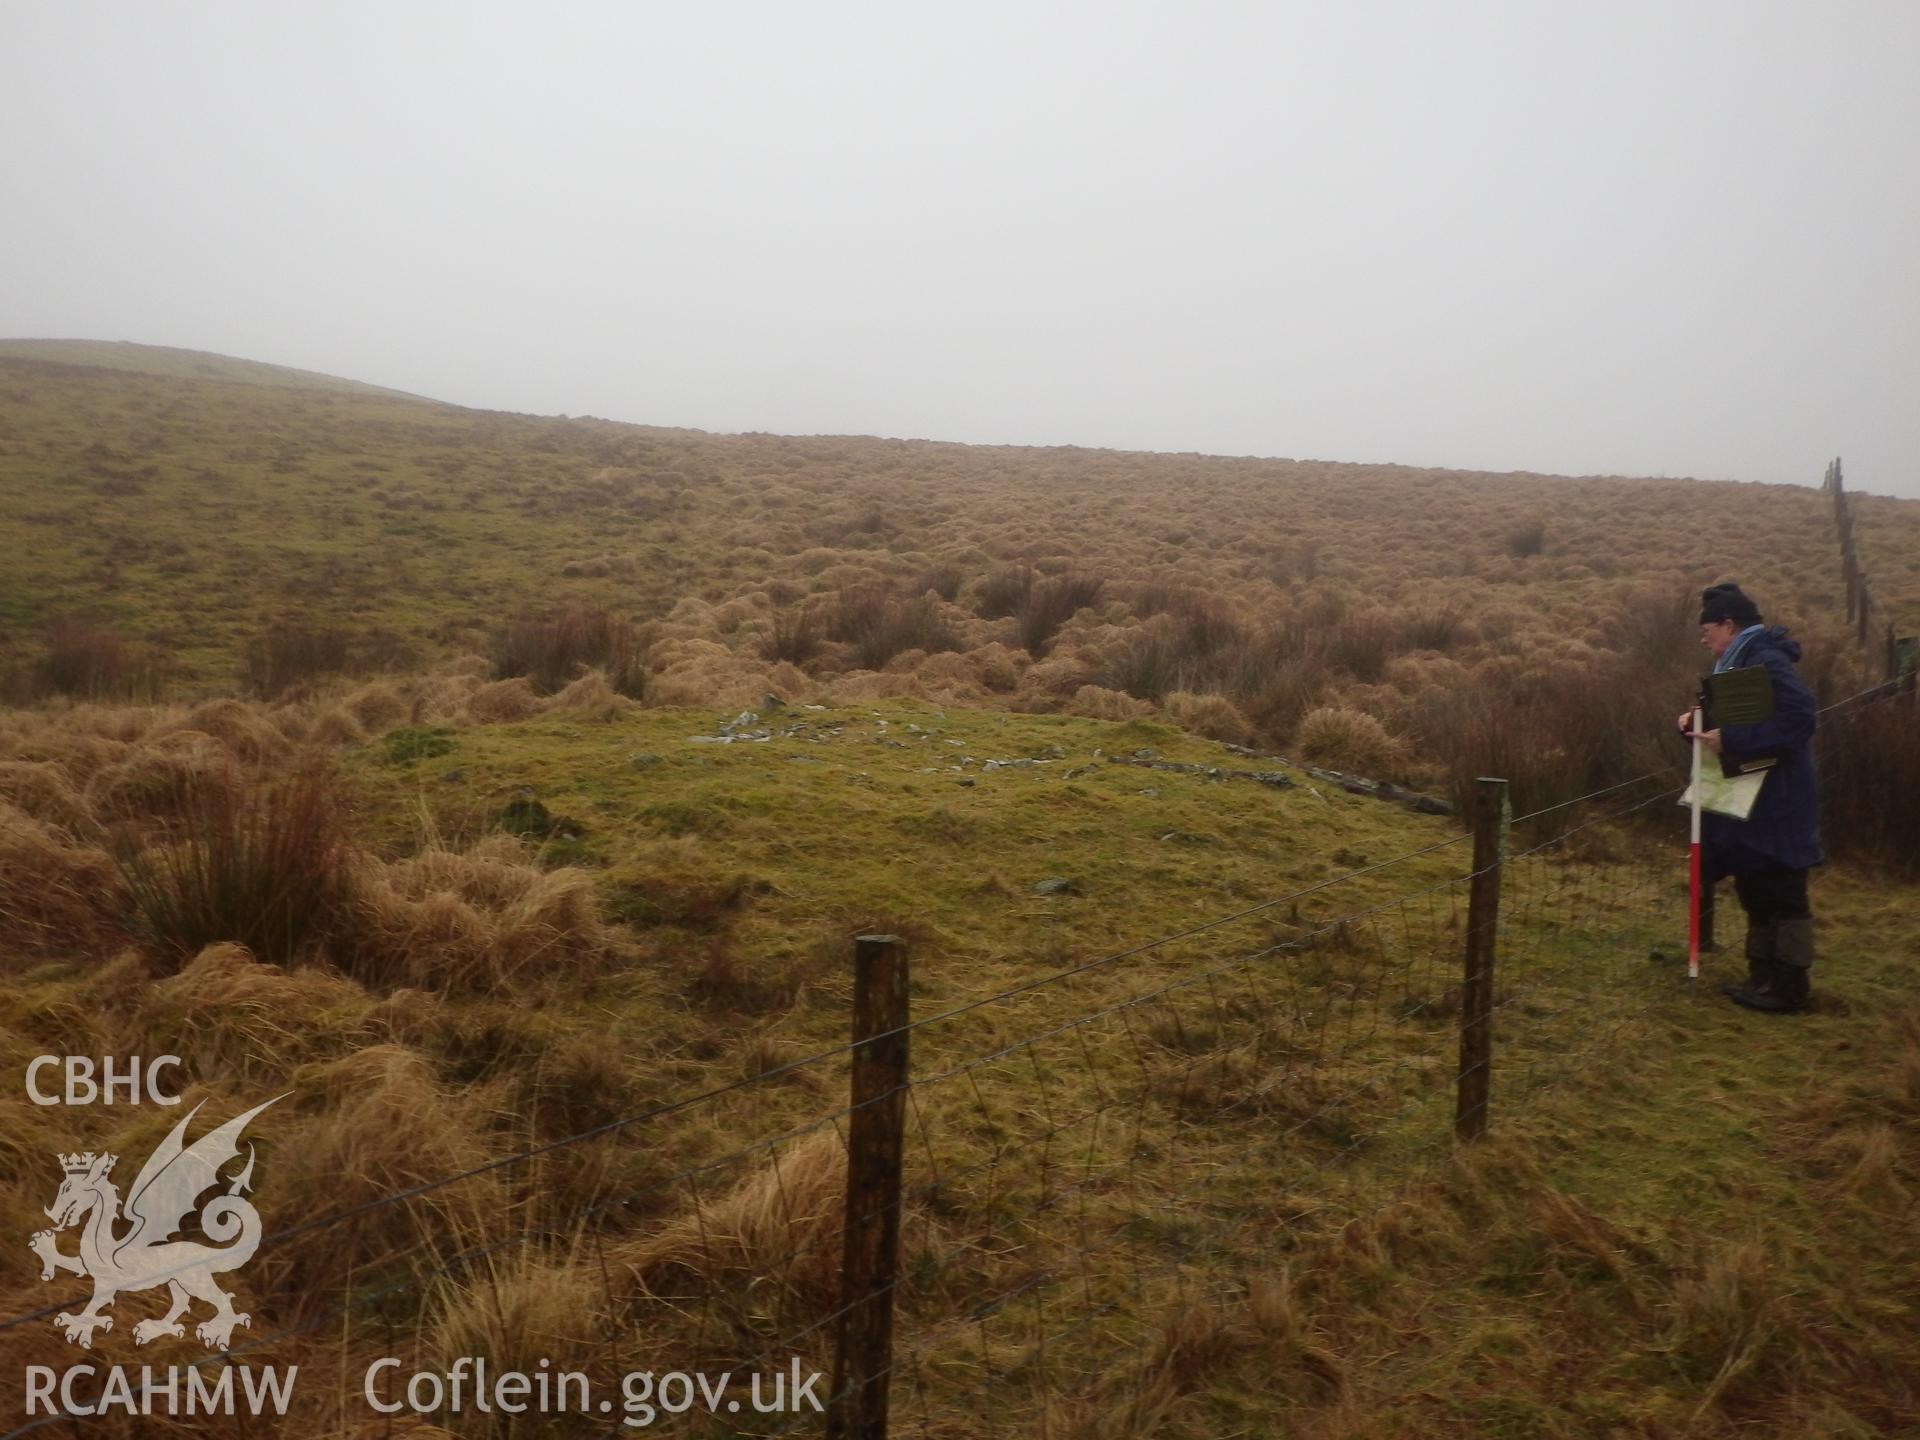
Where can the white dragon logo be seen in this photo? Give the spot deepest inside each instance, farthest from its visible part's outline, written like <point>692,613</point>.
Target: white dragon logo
<point>146,1255</point>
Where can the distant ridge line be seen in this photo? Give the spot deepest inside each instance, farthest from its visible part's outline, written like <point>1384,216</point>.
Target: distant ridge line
<point>174,362</point>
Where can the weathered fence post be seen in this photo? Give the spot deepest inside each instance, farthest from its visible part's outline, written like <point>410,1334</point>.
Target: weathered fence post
<point>1866,608</point>
<point>1476,993</point>
<point>870,1246</point>
<point>1906,665</point>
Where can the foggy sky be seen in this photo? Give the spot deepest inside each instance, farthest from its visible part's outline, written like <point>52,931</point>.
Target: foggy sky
<point>1645,238</point>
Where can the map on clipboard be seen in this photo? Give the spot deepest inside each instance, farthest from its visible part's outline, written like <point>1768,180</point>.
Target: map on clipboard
<point>1734,697</point>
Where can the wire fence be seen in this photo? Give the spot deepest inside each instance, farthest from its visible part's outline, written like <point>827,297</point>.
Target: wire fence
<point>976,1220</point>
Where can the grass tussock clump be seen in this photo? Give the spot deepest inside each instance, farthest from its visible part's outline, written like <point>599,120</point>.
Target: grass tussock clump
<point>478,920</point>
<point>523,1312</point>
<point>1213,716</point>
<point>291,652</point>
<point>1098,703</point>
<point>550,651</point>
<point>503,702</point>
<point>1050,603</point>
<point>796,637</point>
<point>779,1228</point>
<point>377,707</point>
<point>591,697</point>
<point>1351,741</point>
<point>158,775</point>
<point>1526,539</point>
<point>44,790</point>
<point>1730,1326</point>
<point>243,1020</point>
<point>86,661</point>
<point>879,625</point>
<point>244,730</point>
<point>260,865</point>
<point>386,1127</point>
<point>1004,592</point>
<point>57,896</point>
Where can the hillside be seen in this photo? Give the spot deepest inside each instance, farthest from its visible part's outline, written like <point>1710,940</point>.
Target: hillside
<point>507,792</point>
<point>221,532</point>
<point>167,362</point>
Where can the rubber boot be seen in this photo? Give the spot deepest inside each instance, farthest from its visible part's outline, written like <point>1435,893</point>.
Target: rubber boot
<point>1793,959</point>
<point>1762,947</point>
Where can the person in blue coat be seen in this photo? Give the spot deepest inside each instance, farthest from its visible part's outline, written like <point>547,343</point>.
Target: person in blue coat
<point>1770,852</point>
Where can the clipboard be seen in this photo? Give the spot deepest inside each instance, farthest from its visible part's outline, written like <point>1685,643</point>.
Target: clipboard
<point>1742,696</point>
<point>1739,697</point>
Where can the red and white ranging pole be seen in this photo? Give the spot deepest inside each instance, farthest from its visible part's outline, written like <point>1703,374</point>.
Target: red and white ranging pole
<point>1693,857</point>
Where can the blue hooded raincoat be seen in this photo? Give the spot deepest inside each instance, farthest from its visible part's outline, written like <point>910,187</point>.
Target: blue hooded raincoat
<point>1783,832</point>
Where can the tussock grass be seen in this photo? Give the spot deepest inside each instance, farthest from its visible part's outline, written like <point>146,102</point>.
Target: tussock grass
<point>796,637</point>
<point>1004,592</point>
<point>778,1229</point>
<point>378,1123</point>
<point>552,650</point>
<point>262,866</point>
<point>1576,1278</point>
<point>289,652</point>
<point>592,697</point>
<point>878,625</point>
<point>1349,740</point>
<point>1050,603</point>
<point>1529,538</point>
<point>1323,582</point>
<point>44,790</point>
<point>522,1312</point>
<point>88,661</point>
<point>57,895</point>
<point>474,921</point>
<point>245,1021</point>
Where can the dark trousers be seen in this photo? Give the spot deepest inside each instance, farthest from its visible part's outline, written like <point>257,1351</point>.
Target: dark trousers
<point>1770,896</point>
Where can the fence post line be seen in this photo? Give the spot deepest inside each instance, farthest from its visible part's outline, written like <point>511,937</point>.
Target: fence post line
<point>876,1145</point>
<point>1476,994</point>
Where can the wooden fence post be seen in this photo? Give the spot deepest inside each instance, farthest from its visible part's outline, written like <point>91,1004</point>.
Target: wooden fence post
<point>1906,665</point>
<point>1476,994</point>
<point>870,1247</point>
<point>1866,607</point>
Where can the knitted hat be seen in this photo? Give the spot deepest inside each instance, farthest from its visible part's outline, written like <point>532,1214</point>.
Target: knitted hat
<point>1727,602</point>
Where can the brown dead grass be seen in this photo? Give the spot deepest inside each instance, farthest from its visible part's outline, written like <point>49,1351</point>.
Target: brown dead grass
<point>383,1125</point>
<point>57,896</point>
<point>778,1227</point>
<point>249,1022</point>
<point>472,921</point>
